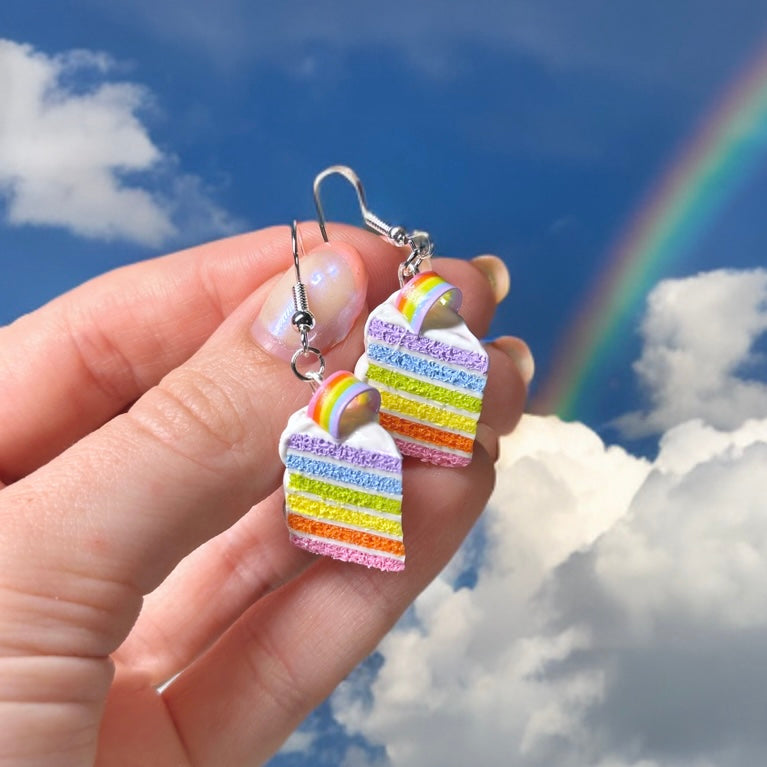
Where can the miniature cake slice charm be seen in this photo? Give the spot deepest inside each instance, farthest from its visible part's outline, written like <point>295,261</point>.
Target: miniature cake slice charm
<point>429,368</point>
<point>343,477</point>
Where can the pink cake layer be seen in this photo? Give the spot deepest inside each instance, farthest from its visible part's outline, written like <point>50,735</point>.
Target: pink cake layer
<point>347,555</point>
<point>431,454</point>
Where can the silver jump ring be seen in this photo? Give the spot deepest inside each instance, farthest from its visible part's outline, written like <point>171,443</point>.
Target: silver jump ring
<point>405,272</point>
<point>312,375</point>
<point>420,243</point>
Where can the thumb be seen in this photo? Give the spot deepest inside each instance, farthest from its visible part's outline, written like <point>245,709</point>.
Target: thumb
<point>336,284</point>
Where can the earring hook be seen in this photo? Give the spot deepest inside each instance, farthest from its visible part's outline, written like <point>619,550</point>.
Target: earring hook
<point>396,234</point>
<point>420,243</point>
<point>303,320</point>
<point>351,177</point>
<point>294,245</point>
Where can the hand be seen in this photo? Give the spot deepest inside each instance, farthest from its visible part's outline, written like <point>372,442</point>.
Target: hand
<point>139,421</point>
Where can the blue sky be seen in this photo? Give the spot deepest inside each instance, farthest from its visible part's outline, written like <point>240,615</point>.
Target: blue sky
<point>530,129</point>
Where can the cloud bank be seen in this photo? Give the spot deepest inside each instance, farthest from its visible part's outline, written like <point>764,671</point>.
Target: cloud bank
<point>698,352</point>
<point>619,614</point>
<point>74,153</point>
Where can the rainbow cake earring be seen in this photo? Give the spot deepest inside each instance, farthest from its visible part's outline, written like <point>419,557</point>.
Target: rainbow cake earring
<point>428,366</point>
<point>343,472</point>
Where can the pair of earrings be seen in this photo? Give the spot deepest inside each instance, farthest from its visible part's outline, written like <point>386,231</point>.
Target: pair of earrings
<point>416,391</point>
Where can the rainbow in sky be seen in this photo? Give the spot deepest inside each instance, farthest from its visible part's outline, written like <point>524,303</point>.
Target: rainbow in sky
<point>726,148</point>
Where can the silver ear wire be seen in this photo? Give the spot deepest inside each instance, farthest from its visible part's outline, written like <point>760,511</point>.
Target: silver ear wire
<point>419,242</point>
<point>303,320</point>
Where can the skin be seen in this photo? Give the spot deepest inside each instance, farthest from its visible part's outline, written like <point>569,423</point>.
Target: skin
<point>141,528</point>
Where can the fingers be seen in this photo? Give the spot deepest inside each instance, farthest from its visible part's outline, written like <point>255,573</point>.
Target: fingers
<point>510,373</point>
<point>215,584</point>
<point>125,504</point>
<point>183,616</point>
<point>73,364</point>
<point>289,651</point>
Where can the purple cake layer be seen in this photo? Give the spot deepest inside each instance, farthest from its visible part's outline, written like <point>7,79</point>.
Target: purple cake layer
<point>354,455</point>
<point>397,336</point>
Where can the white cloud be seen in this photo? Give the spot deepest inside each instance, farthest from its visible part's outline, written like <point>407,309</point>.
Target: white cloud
<point>619,617</point>
<point>674,601</point>
<point>698,335</point>
<point>462,683</point>
<point>690,553</point>
<point>75,154</point>
<point>609,591</point>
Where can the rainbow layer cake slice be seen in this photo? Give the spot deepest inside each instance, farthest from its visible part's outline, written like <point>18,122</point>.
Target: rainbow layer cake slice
<point>343,477</point>
<point>430,369</point>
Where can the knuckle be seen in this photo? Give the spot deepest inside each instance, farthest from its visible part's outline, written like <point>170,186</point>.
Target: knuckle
<point>101,358</point>
<point>51,708</point>
<point>202,418</point>
<point>65,612</point>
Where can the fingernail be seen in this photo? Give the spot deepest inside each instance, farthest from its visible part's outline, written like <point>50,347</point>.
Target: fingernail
<point>488,438</point>
<point>336,285</point>
<point>520,352</point>
<point>497,275</point>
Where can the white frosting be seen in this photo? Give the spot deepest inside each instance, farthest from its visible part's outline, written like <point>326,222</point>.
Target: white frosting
<point>369,436</point>
<point>457,334</point>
